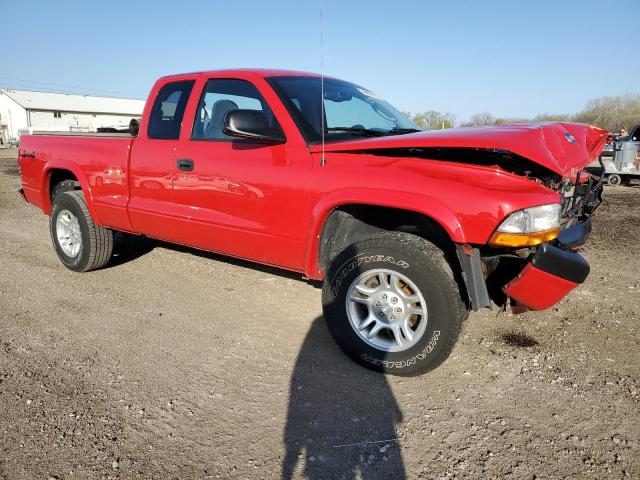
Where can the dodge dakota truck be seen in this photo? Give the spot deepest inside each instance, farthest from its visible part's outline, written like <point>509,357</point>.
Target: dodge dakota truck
<point>408,230</point>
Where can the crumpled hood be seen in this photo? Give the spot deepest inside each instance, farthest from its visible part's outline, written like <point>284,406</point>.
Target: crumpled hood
<point>562,147</point>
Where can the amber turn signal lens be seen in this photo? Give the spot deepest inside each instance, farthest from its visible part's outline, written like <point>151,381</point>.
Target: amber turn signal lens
<point>502,239</point>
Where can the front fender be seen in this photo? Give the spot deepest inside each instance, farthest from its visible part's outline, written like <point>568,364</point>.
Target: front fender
<point>423,204</point>
<point>80,176</point>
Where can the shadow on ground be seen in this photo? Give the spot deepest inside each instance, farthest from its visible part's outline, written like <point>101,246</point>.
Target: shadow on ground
<point>341,421</point>
<point>518,339</point>
<point>129,247</point>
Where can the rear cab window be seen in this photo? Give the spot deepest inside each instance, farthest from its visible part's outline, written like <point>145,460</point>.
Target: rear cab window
<point>168,110</point>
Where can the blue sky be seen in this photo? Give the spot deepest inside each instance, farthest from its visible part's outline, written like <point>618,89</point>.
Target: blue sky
<point>511,58</point>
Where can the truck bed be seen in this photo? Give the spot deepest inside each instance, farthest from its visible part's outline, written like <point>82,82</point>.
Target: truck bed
<point>82,134</point>
<point>100,161</point>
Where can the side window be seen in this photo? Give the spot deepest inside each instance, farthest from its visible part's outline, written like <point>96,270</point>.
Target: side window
<point>168,109</point>
<point>220,97</point>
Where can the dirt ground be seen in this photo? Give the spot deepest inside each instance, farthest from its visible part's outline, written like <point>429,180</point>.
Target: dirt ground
<point>173,363</point>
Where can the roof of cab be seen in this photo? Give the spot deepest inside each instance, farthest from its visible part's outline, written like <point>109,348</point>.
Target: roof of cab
<point>260,72</point>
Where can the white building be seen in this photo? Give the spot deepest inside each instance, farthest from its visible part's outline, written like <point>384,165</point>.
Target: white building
<point>23,111</point>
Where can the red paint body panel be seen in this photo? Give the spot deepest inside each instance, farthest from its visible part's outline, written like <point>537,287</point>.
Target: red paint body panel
<point>468,201</point>
<point>538,290</point>
<point>268,203</point>
<point>99,164</point>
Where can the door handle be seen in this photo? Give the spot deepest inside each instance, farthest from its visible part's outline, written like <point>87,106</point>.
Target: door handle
<point>185,164</point>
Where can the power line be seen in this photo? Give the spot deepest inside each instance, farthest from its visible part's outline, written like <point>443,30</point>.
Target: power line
<point>46,86</point>
<point>21,80</point>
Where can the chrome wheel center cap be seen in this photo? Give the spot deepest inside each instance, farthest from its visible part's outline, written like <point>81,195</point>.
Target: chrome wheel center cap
<point>386,310</point>
<point>389,306</point>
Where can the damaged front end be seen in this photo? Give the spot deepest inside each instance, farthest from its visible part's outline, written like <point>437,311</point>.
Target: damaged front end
<point>536,278</point>
<point>530,268</point>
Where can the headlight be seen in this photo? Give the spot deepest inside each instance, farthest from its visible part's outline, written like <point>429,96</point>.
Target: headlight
<point>531,226</point>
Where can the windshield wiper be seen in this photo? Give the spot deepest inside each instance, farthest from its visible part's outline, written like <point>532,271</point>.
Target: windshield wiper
<point>400,131</point>
<point>359,131</point>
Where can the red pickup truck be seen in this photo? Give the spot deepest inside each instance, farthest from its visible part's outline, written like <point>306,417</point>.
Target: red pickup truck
<point>409,230</point>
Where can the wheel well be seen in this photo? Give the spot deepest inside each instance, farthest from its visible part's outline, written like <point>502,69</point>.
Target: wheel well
<point>349,223</point>
<point>57,176</point>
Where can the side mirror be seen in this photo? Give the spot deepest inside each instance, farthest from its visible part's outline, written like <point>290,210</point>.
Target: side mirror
<point>251,125</point>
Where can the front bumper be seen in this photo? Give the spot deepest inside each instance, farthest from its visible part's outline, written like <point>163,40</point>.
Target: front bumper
<point>534,282</point>
<point>552,271</point>
<point>547,278</point>
<point>540,279</point>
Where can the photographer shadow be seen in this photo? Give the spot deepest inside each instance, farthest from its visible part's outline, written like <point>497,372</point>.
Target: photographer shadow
<point>342,418</point>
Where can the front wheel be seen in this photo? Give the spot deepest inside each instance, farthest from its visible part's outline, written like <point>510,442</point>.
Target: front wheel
<point>392,304</point>
<point>80,244</point>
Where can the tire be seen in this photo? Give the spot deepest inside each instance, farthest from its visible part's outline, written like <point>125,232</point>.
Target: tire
<point>91,245</point>
<point>420,270</point>
<point>64,186</point>
<point>615,180</point>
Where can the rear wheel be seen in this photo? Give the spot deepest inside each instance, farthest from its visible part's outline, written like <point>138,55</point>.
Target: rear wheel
<point>80,244</point>
<point>392,304</point>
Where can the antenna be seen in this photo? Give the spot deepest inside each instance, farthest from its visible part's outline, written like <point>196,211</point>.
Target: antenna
<point>323,161</point>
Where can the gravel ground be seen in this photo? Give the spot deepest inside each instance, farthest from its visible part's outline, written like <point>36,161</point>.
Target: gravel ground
<point>173,363</point>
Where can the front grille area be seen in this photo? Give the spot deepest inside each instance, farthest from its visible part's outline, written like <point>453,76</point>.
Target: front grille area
<point>581,196</point>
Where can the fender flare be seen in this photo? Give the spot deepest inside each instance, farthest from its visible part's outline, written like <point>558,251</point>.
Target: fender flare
<point>80,176</point>
<point>422,204</point>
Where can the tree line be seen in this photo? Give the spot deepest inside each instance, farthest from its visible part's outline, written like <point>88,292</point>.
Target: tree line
<point>610,113</point>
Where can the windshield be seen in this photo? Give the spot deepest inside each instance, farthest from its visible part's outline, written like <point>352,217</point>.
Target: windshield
<point>350,111</point>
